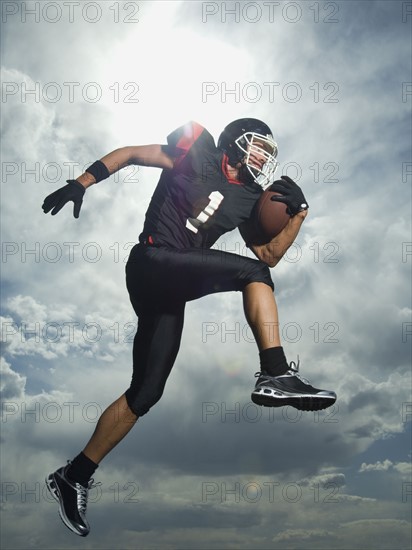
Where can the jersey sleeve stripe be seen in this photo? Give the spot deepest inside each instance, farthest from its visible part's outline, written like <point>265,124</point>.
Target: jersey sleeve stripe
<point>191,134</point>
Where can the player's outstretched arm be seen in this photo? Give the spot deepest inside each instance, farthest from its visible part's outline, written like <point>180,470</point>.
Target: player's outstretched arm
<point>143,155</point>
<point>271,253</point>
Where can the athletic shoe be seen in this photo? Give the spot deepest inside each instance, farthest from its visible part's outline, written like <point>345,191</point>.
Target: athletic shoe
<point>72,499</point>
<point>290,389</point>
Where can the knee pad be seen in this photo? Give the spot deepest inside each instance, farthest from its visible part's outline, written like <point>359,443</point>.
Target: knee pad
<point>141,404</point>
<point>260,273</point>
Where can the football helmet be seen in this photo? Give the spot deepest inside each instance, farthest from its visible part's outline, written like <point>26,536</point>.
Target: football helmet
<point>245,137</point>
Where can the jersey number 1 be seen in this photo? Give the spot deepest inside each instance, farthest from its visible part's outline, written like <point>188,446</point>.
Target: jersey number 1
<point>215,199</point>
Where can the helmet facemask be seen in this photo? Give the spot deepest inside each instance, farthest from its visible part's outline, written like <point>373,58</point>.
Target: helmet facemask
<point>264,146</point>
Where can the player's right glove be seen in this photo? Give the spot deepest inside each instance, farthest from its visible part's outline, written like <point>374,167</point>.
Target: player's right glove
<point>292,195</point>
<point>73,191</point>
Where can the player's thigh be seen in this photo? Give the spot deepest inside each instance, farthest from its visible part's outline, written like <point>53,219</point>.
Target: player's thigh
<point>168,276</point>
<point>198,272</point>
<point>155,348</point>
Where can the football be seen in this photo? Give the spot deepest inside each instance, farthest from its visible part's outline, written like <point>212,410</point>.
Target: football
<point>269,218</point>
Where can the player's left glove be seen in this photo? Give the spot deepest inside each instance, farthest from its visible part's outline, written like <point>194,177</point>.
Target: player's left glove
<point>73,191</point>
<point>291,195</point>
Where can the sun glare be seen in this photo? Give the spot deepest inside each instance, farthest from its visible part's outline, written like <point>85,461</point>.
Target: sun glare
<point>177,75</point>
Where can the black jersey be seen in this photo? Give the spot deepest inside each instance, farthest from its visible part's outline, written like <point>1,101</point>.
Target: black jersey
<point>196,202</point>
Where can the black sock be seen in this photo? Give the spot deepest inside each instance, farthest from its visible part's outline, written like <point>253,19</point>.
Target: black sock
<point>273,361</point>
<point>81,469</point>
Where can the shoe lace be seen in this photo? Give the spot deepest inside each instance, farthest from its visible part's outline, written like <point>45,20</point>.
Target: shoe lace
<point>82,494</point>
<point>293,371</point>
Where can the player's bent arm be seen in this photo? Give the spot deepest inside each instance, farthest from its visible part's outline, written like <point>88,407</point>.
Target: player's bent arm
<point>271,253</point>
<point>142,155</point>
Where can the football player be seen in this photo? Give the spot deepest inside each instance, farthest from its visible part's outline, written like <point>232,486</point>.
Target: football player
<point>203,192</point>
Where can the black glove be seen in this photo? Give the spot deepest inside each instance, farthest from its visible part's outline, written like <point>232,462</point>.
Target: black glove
<point>73,191</point>
<point>291,193</point>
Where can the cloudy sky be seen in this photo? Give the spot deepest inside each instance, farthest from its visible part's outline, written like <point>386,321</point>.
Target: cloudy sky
<point>206,468</point>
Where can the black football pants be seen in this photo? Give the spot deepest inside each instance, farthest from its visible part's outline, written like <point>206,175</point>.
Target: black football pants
<point>160,281</point>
